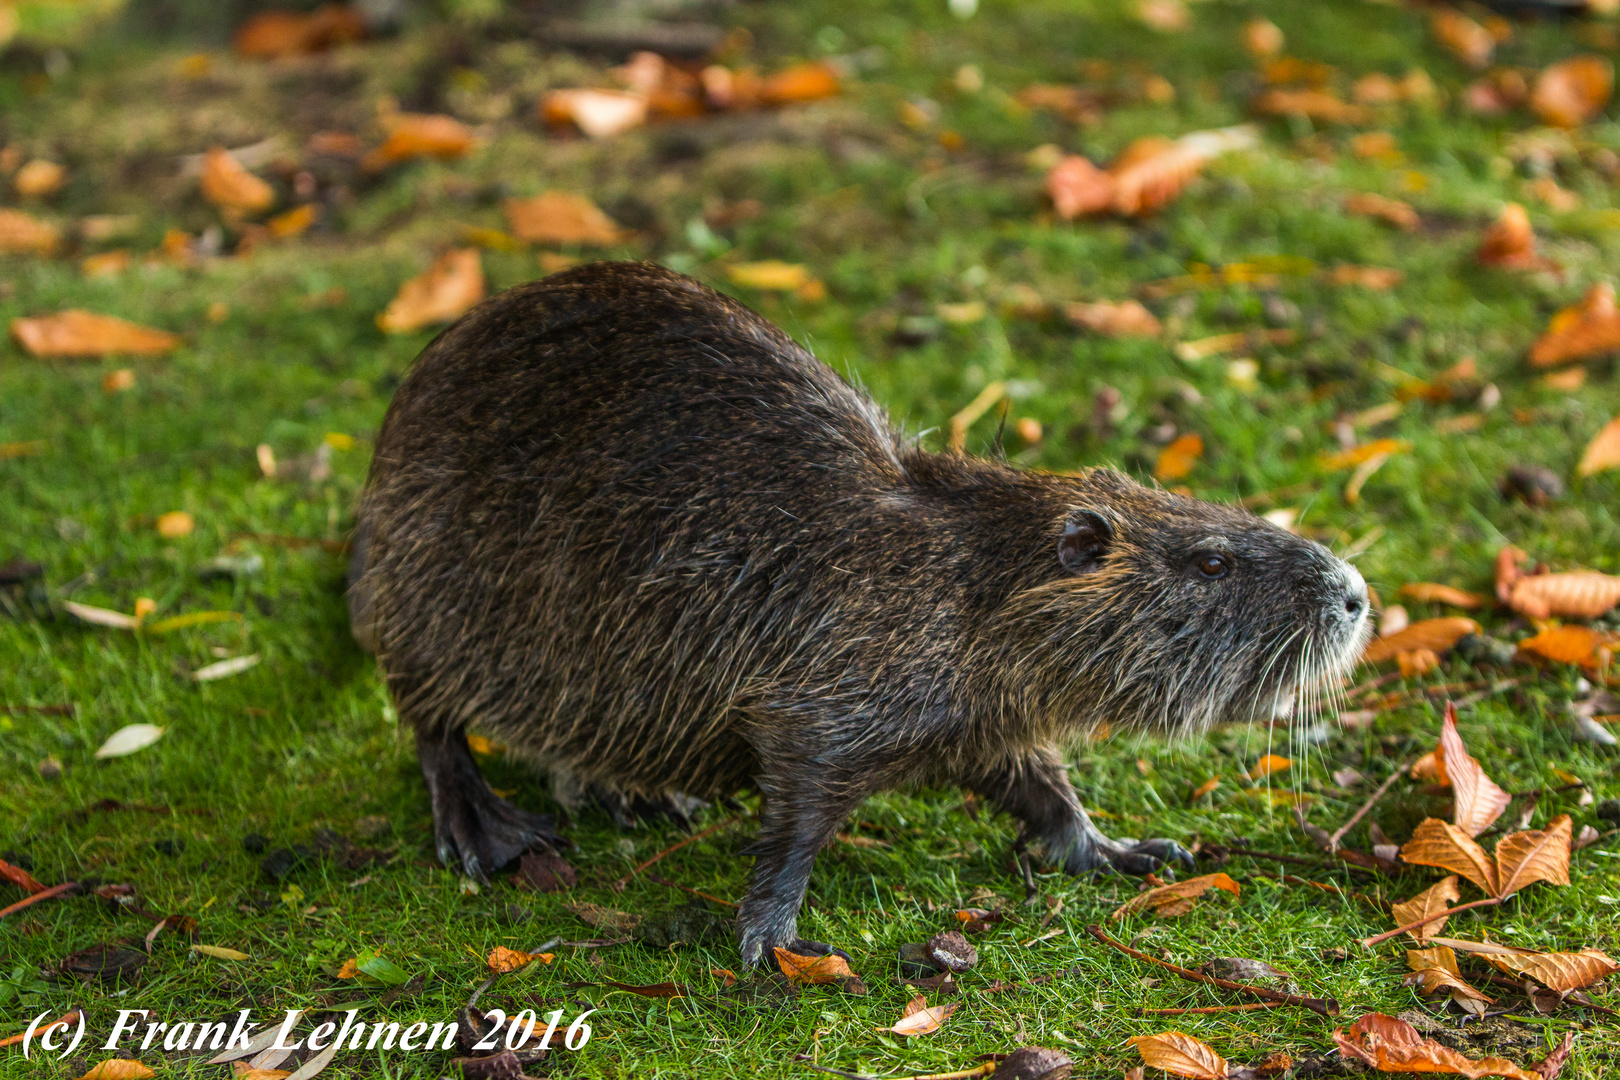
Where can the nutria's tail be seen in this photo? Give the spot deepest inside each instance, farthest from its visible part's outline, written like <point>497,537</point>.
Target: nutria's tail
<point>361,623</point>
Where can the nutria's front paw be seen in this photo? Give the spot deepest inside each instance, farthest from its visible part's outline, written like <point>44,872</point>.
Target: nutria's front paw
<point>1126,856</point>
<point>806,947</point>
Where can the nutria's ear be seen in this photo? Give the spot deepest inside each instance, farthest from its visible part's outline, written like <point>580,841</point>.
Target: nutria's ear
<point>1085,540</point>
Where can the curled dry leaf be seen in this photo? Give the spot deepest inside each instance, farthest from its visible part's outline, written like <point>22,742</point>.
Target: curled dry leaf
<point>84,333</point>
<point>1180,1054</point>
<point>229,186</point>
<point>561,217</point>
<point>502,960</point>
<point>1435,898</point>
<point>1124,318</point>
<point>813,970</point>
<point>1571,92</point>
<point>219,952</point>
<point>1149,175</point>
<point>454,283</point>
<point>24,234</point>
<point>1321,105</point>
<point>1391,1045</point>
<point>600,114</point>
<point>1394,211</point>
<point>1428,592</point>
<point>1177,459</point>
<point>1435,969</point>
<point>920,1020</point>
<point>1440,843</point>
<point>414,135</point>
<point>1556,971</point>
<point>1173,895</point>
<point>1479,801</point>
<point>1572,645</point>
<point>1510,242</point>
<point>1584,594</point>
<point>1603,452</point>
<point>1589,328</point>
<point>1523,858</point>
<point>1436,635</point>
<point>118,1069</point>
<point>799,83</point>
<point>1464,38</point>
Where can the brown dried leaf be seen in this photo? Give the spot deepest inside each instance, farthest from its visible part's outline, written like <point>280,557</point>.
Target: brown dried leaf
<point>561,217</point>
<point>1510,242</point>
<point>1436,635</point>
<point>1394,211</point>
<point>22,233</point>
<point>1571,92</point>
<point>441,293</point>
<point>1429,592</point>
<point>228,185</point>
<point>1588,328</point>
<point>1436,969</point>
<point>1078,188</point>
<point>1151,172</point>
<point>1391,1045</point>
<point>1603,452</point>
<point>1556,971</point>
<point>1178,459</point>
<point>84,333</point>
<point>1523,858</point>
<point>1464,38</point>
<point>118,1069</point>
<point>38,178</point>
<point>813,970</point>
<point>1165,895</point>
<point>919,1020</point>
<point>1377,278</point>
<point>1435,898</point>
<point>414,135</point>
<point>606,919</point>
<point>1322,105</point>
<point>1440,843</point>
<point>1479,801</point>
<point>273,34</point>
<point>1180,1054</point>
<point>1124,318</point>
<point>502,960</point>
<point>1584,594</point>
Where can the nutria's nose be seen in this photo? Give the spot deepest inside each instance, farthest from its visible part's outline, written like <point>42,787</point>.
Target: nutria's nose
<point>1353,605</point>
<point>1355,591</point>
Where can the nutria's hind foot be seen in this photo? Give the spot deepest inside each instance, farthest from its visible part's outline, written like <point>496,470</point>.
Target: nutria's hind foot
<point>474,828</point>
<point>805,947</point>
<point>1127,856</point>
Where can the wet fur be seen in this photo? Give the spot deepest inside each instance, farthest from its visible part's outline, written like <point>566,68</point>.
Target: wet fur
<point>628,528</point>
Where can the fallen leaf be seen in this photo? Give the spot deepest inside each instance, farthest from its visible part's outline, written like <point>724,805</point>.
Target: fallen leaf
<point>600,114</point>
<point>1266,766</point>
<point>544,872</point>
<point>1149,174</point>
<point>561,217</point>
<point>1523,858</point>
<point>442,293</point>
<point>105,264</point>
<point>813,970</point>
<point>128,739</point>
<point>1603,452</point>
<point>502,960</point>
<point>1180,1054</point>
<point>1076,187</point>
<point>1377,278</point>
<point>1177,460</point>
<point>38,178</point>
<point>224,669</point>
<point>1589,328</point>
<point>1436,635</point>
<point>1510,242</point>
<point>84,333</point>
<point>24,234</point>
<point>1556,971</point>
<point>1436,969</point>
<point>1322,105</point>
<point>800,83</point>
<point>1394,211</point>
<point>175,524</point>
<point>1115,319</point>
<point>772,275</point>
<point>1205,788</point>
<point>920,1021</point>
<point>601,918</point>
<point>1440,843</point>
<point>1435,898</point>
<point>414,135</point>
<point>1583,594</point>
<point>1479,801</point>
<point>1428,592</point>
<point>270,35</point>
<point>1360,455</point>
<point>1262,38</point>
<point>978,920</point>
<point>220,953</point>
<point>118,1069</point>
<point>1165,15</point>
<point>1466,39</point>
<point>1391,1045</point>
<point>98,616</point>
<point>1571,92</point>
<point>1570,645</point>
<point>228,185</point>
<point>294,221</point>
<point>1164,896</point>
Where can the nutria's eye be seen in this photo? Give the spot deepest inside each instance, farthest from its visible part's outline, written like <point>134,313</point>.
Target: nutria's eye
<point>1212,566</point>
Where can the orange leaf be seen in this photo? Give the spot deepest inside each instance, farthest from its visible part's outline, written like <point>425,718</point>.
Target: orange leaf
<point>1262,38</point>
<point>454,283</point>
<point>1523,858</point>
<point>1588,328</point>
<point>272,34</point>
<point>1394,211</point>
<point>1377,278</point>
<point>1125,318</point>
<point>501,959</point>
<point>1440,843</point>
<point>1436,969</point>
<point>1584,594</point>
<point>1391,1045</point>
<point>1440,594</point>
<point>350,969</point>
<point>1078,188</point>
<point>1271,763</point>
<point>1466,39</point>
<point>1556,971</point>
<point>1567,644</point>
<point>1435,898</point>
<point>1180,1054</point>
<point>84,333</point>
<point>769,275</point>
<point>1511,243</point>
<point>118,1069</point>
<point>801,82</point>
<point>1569,93</point>
<point>600,114</point>
<point>1165,895</point>
<point>1603,452</point>
<point>1151,172</point>
<point>812,970</point>
<point>22,233</point>
<point>1178,459</point>
<point>1358,455</point>
<point>1323,105</point>
<point>228,185</point>
<point>294,221</point>
<point>175,524</point>
<point>1478,800</point>
<point>1205,788</point>
<point>919,1020</point>
<point>1436,635</point>
<point>413,135</point>
<point>38,178</point>
<point>561,217</point>
<point>1508,572</point>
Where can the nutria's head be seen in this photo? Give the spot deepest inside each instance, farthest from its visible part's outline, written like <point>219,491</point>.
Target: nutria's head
<point>1168,612</point>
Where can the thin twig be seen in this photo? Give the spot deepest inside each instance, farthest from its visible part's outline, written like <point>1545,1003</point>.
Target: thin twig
<point>1290,879</point>
<point>1503,980</point>
<point>1249,1007</point>
<point>1489,901</point>
<point>66,1020</point>
<point>1338,834</point>
<point>618,886</point>
<point>961,1074</point>
<point>656,880</point>
<point>1322,1006</point>
<point>30,901</point>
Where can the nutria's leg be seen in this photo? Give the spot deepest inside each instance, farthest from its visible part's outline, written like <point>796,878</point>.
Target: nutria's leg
<point>473,826</point>
<point>794,824</point>
<point>1036,791</point>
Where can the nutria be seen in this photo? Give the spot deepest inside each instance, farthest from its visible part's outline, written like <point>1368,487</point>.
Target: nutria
<point>629,528</point>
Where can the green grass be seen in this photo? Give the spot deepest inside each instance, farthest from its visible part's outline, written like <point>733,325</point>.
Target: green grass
<point>893,225</point>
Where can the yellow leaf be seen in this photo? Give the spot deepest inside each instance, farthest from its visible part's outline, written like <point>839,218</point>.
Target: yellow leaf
<point>175,524</point>
<point>501,959</point>
<point>1177,459</point>
<point>1603,452</point>
<point>118,1069</point>
<point>1180,1055</point>
<point>1440,594</point>
<point>1436,635</point>
<point>1165,896</point>
<point>22,233</point>
<point>772,275</point>
<point>220,953</point>
<point>228,185</point>
<point>1436,969</point>
<point>413,135</point>
<point>83,333</point>
<point>1347,459</point>
<point>442,293</point>
<point>1266,766</point>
